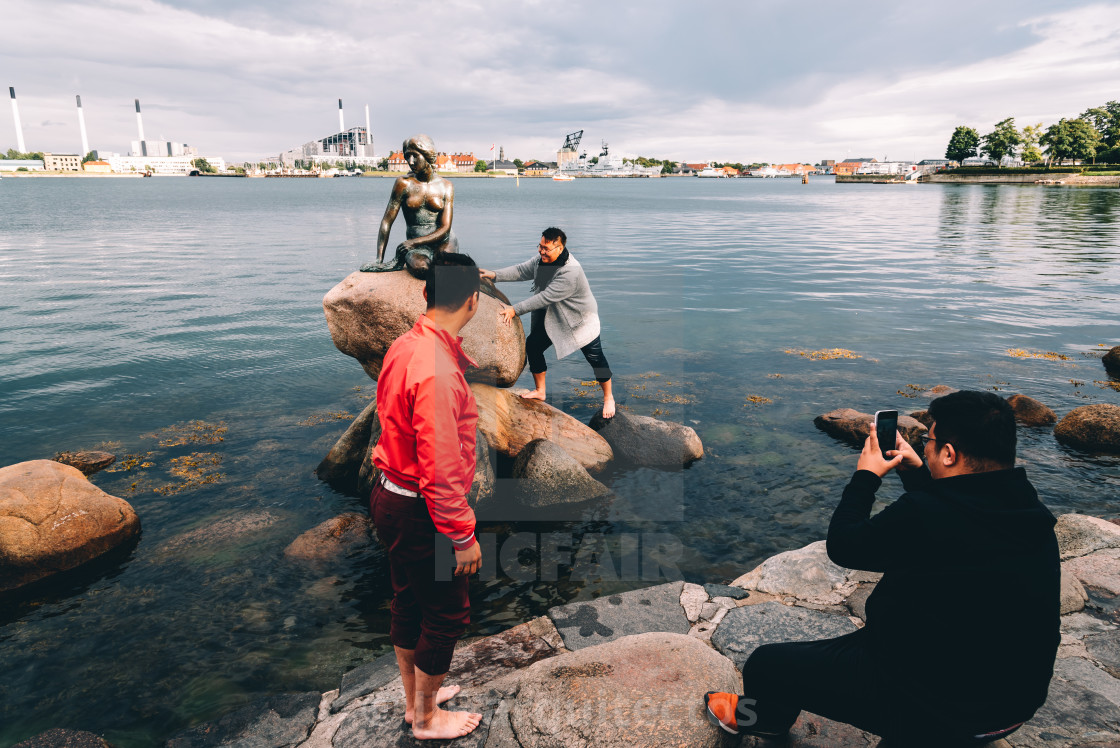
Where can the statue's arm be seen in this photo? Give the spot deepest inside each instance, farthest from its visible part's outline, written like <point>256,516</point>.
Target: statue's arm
<point>391,211</point>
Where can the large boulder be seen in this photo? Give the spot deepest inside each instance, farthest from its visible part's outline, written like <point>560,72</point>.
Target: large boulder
<point>1031,412</point>
<point>806,574</point>
<point>647,441</point>
<point>53,519</point>
<point>337,537</point>
<point>482,489</point>
<point>1080,534</point>
<point>549,476</point>
<point>852,426</point>
<point>366,312</point>
<point>1094,428</point>
<point>643,690</point>
<point>509,422</point>
<point>342,465</point>
<point>745,629</point>
<point>1111,361</point>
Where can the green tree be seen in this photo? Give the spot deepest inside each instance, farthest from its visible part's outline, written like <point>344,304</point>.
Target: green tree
<point>1002,141</point>
<point>383,165</point>
<point>595,160</point>
<point>203,166</point>
<point>962,144</point>
<point>519,163</point>
<point>481,166</point>
<point>1084,140</point>
<point>89,157</point>
<point>1031,134</point>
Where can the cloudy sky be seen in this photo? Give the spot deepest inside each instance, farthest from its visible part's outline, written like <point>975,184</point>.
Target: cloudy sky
<point>727,80</point>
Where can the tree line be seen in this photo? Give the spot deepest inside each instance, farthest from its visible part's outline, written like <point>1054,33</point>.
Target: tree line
<point>1093,136</point>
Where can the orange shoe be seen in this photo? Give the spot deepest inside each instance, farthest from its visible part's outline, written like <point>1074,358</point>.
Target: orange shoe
<point>721,710</point>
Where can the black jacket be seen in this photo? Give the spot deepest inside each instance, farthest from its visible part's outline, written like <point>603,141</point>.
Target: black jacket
<point>966,617</point>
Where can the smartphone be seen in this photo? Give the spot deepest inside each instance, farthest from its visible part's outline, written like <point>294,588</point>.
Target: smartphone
<point>886,424</point>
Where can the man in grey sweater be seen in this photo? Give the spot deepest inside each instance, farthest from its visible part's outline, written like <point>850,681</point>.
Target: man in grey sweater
<point>564,312</point>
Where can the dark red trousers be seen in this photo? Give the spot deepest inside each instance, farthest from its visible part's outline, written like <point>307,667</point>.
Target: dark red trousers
<point>427,615</point>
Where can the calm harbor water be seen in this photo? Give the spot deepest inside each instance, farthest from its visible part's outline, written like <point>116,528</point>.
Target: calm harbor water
<point>132,310</point>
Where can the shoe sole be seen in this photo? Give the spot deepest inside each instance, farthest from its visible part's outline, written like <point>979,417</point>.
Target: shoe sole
<point>714,719</point>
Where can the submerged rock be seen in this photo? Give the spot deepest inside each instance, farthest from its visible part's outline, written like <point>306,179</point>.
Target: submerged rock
<point>53,519</point>
<point>549,476</point>
<point>88,461</point>
<point>1031,412</point>
<point>646,689</point>
<point>852,426</point>
<point>509,422</point>
<point>284,719</point>
<point>366,312</point>
<point>1111,360</point>
<point>60,738</point>
<point>1093,428</point>
<point>338,536</point>
<point>648,442</point>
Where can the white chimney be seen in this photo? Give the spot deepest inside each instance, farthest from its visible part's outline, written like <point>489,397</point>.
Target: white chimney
<point>369,135</point>
<point>82,127</point>
<point>19,128</point>
<point>341,126</point>
<point>140,127</point>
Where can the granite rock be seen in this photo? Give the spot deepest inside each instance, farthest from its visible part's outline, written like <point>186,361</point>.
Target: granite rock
<point>509,422</point>
<point>601,695</point>
<point>53,519</point>
<point>1030,412</point>
<point>605,619</point>
<point>548,475</point>
<point>342,465</point>
<point>1092,428</point>
<point>746,628</point>
<point>804,573</point>
<point>1111,360</point>
<point>1079,534</point>
<point>60,738</point>
<point>1073,595</point>
<point>1099,569</point>
<point>648,442</point>
<point>337,537</point>
<point>853,427</point>
<point>366,312</point>
<point>88,461</point>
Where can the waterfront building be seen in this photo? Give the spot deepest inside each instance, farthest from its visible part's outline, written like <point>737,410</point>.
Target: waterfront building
<point>827,164</point>
<point>62,162</point>
<point>14,164</point>
<point>464,162</point>
<point>886,167</point>
<point>540,168</point>
<point>506,167</point>
<point>97,167</point>
<point>354,145</point>
<point>567,158</point>
<point>161,165</point>
<point>849,166</point>
<point>397,162</point>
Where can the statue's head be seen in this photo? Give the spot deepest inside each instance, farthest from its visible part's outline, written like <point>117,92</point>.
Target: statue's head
<point>423,145</point>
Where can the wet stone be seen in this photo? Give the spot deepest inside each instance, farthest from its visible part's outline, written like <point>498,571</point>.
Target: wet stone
<point>746,628</point>
<point>60,738</point>
<point>383,725</point>
<point>584,624</point>
<point>365,679</point>
<point>723,590</point>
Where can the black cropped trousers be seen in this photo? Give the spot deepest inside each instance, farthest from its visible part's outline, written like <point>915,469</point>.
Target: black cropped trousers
<point>538,342</point>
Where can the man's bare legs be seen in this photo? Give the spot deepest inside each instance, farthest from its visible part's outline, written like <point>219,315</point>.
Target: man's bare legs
<point>538,384</point>
<point>608,399</point>
<point>432,723</point>
<point>406,661</point>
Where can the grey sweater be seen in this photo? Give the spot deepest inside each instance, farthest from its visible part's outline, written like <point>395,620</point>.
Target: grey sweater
<point>571,316</point>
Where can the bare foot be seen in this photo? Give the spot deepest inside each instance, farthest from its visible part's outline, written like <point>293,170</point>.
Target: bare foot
<point>444,694</point>
<point>445,725</point>
<point>608,408</point>
<point>533,395</point>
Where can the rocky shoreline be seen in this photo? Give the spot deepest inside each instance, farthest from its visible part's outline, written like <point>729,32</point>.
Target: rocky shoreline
<point>631,669</point>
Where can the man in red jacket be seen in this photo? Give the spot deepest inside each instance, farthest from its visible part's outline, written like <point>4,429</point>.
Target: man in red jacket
<point>426,459</point>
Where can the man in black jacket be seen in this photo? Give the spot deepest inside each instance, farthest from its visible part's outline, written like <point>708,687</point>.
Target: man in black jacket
<point>962,629</point>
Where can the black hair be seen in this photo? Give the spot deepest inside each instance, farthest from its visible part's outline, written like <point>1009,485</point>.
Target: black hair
<point>452,278</point>
<point>980,425</point>
<point>552,234</point>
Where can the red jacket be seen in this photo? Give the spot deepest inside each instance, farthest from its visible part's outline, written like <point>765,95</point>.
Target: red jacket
<point>428,418</point>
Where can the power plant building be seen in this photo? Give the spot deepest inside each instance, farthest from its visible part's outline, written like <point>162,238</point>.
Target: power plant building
<point>349,146</point>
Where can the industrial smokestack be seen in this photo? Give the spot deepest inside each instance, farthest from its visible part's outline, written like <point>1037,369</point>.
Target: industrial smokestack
<point>140,127</point>
<point>19,128</point>
<point>82,127</point>
<point>341,125</point>
<point>369,135</point>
